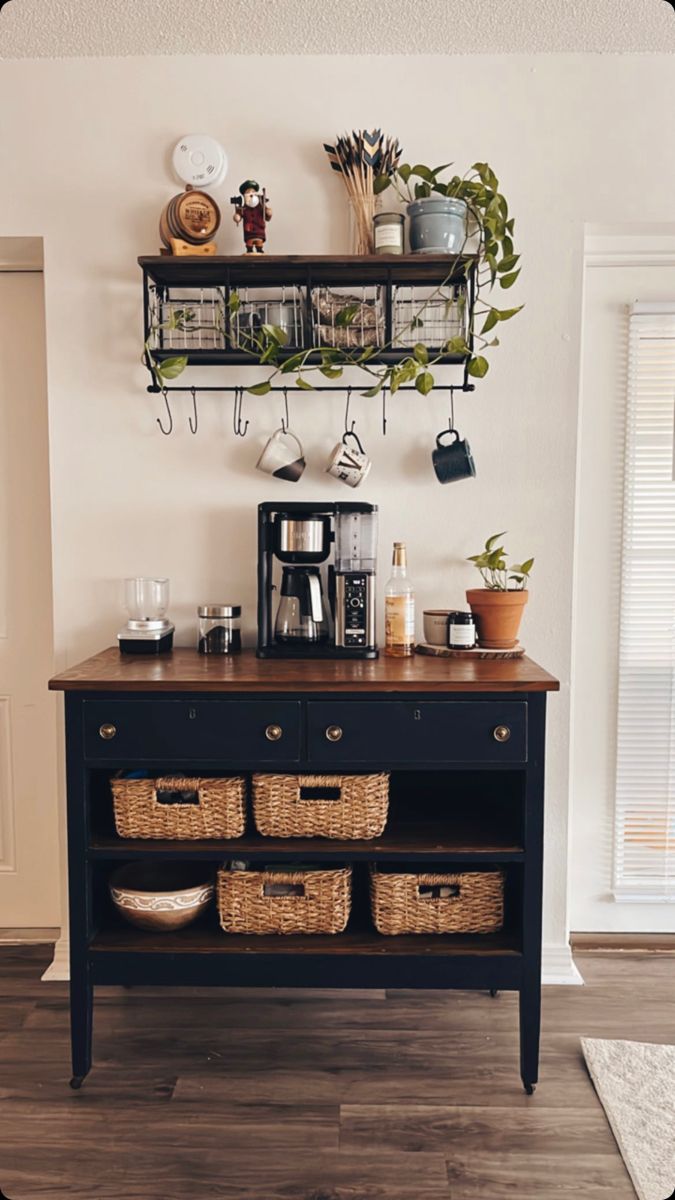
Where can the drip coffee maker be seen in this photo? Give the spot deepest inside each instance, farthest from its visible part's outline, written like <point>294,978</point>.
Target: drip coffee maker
<point>316,580</point>
<point>148,630</point>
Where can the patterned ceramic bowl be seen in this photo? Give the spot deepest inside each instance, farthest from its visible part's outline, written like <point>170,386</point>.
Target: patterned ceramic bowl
<point>160,896</point>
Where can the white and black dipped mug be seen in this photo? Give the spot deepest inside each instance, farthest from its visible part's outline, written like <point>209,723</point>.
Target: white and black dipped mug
<point>283,456</point>
<point>349,463</point>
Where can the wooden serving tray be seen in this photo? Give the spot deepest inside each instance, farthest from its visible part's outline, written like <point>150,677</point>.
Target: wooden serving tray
<point>477,652</point>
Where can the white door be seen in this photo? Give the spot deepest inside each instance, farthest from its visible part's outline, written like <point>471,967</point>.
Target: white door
<point>29,844</point>
<point>613,282</point>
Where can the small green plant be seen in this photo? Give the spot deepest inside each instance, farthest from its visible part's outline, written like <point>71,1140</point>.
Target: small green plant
<point>496,574</point>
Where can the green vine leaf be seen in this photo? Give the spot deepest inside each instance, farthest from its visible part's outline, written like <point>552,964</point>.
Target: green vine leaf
<point>304,384</point>
<point>346,315</point>
<point>260,389</point>
<point>276,334</point>
<point>331,372</point>
<point>508,281</point>
<point>171,368</point>
<point>424,382</point>
<point>381,183</point>
<point>421,354</point>
<point>478,367</point>
<point>457,345</point>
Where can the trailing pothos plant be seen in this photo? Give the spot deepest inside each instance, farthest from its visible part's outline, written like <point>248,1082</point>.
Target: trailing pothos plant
<point>488,250</point>
<point>495,572</point>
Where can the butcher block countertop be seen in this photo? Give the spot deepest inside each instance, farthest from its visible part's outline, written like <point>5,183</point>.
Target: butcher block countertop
<point>185,670</point>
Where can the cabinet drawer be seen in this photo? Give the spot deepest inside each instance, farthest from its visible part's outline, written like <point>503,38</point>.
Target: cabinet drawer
<point>390,732</point>
<point>260,731</point>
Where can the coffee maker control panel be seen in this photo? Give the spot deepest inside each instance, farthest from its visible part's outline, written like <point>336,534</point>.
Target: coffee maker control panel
<point>355,614</point>
<point>355,610</point>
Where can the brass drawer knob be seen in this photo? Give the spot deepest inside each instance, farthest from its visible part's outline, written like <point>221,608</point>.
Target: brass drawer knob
<point>334,733</point>
<point>501,733</point>
<point>107,732</point>
<point>273,733</point>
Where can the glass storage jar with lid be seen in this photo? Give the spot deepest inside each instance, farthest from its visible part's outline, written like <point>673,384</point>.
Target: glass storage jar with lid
<point>219,628</point>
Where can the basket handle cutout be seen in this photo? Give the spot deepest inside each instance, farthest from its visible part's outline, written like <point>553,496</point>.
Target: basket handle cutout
<point>438,891</point>
<point>177,795</point>
<point>283,889</point>
<point>320,793</point>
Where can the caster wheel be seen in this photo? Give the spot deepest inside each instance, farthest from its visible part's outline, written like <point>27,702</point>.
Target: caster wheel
<point>76,1082</point>
<point>494,992</point>
<point>529,1088</point>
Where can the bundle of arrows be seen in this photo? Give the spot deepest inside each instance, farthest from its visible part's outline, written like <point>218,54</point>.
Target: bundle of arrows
<point>360,157</point>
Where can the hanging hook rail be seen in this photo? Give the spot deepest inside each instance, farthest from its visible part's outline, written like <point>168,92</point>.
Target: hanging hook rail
<point>166,432</point>
<point>193,421</point>
<point>232,388</point>
<point>239,430</point>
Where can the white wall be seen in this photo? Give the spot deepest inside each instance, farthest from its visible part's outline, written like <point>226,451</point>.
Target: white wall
<point>84,146</point>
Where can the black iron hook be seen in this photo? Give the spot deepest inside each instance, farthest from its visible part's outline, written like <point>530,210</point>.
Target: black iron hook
<point>347,426</point>
<point>452,407</point>
<point>285,420</point>
<point>166,432</point>
<point>194,423</point>
<point>239,431</point>
<point>384,412</point>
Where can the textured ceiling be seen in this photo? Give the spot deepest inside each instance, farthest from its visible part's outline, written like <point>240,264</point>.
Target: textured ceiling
<point>66,28</point>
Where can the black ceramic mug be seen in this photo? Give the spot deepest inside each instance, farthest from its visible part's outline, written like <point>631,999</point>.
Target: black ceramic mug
<point>452,461</point>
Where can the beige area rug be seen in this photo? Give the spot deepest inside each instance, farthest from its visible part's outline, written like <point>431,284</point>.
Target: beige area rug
<point>635,1082</point>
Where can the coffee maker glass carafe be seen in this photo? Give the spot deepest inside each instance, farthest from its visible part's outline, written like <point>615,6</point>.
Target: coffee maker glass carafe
<point>301,616</point>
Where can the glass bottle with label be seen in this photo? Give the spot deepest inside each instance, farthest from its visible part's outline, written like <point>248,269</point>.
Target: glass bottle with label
<point>399,608</point>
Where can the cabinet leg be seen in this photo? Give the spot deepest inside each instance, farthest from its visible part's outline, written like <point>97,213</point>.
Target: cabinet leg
<point>81,1013</point>
<point>530,1019</point>
<point>494,992</point>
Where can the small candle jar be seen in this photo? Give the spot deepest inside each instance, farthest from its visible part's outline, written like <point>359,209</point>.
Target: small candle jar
<point>219,628</point>
<point>388,227</point>
<point>461,631</point>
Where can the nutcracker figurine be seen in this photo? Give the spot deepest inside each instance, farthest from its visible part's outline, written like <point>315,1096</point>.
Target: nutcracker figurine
<point>253,209</point>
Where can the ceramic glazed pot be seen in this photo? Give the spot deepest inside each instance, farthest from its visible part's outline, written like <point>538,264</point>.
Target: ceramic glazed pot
<point>160,896</point>
<point>437,225</point>
<point>497,616</point>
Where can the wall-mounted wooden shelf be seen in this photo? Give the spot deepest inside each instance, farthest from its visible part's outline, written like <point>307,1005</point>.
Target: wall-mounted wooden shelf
<point>403,300</point>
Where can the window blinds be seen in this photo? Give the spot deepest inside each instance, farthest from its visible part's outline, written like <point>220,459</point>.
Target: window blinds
<point>645,769</point>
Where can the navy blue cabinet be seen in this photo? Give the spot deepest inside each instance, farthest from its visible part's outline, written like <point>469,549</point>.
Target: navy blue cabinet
<point>464,743</point>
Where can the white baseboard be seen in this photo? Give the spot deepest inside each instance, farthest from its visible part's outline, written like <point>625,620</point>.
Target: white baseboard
<point>58,970</point>
<point>20,936</point>
<point>558,966</point>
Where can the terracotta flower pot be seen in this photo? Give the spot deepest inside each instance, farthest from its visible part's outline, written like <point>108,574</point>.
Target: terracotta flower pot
<point>497,616</point>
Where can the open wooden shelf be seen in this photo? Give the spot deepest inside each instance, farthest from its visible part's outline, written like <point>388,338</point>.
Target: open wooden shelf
<point>341,270</point>
<point>464,839</point>
<point>356,940</point>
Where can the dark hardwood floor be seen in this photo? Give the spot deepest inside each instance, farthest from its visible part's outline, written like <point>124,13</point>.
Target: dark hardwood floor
<point>314,1095</point>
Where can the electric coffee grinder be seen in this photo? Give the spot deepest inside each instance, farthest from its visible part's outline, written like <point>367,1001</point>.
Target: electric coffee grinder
<point>148,631</point>
<point>316,580</point>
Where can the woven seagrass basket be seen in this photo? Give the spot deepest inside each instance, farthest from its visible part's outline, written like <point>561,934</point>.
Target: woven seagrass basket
<point>330,806</point>
<point>284,901</point>
<point>466,902</point>
<point>176,808</point>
